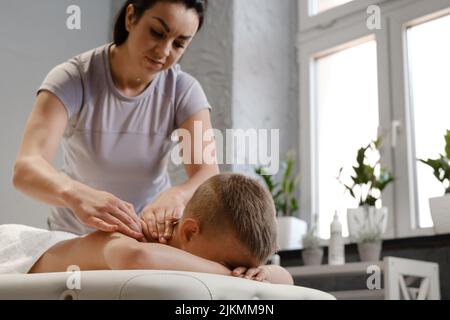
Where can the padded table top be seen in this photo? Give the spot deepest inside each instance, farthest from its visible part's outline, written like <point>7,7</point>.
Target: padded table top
<point>147,285</point>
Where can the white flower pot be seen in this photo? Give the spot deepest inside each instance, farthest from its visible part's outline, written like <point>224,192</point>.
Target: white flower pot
<point>373,217</point>
<point>312,257</point>
<point>440,213</point>
<point>369,251</point>
<point>290,231</point>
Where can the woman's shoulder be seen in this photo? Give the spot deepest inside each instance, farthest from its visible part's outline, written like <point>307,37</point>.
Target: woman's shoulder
<point>179,78</point>
<point>89,59</point>
<point>79,65</point>
<point>177,75</point>
<point>176,81</point>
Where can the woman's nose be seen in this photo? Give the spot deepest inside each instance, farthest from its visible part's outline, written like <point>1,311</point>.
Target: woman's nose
<point>162,50</point>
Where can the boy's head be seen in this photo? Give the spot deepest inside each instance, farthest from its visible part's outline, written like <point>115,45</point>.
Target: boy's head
<point>231,220</point>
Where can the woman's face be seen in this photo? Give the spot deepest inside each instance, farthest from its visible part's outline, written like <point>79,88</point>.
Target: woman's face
<point>159,38</point>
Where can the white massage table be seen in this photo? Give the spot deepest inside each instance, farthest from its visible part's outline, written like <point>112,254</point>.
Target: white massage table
<point>146,285</point>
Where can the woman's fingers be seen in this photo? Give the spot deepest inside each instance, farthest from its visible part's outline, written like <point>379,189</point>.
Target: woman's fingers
<point>148,237</point>
<point>125,219</point>
<point>150,220</point>
<point>160,223</point>
<point>133,213</point>
<point>171,219</point>
<point>168,230</point>
<point>122,227</point>
<point>130,216</point>
<point>176,214</point>
<point>113,218</point>
<point>101,225</point>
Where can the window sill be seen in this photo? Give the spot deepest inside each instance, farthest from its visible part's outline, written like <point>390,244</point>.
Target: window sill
<point>291,257</point>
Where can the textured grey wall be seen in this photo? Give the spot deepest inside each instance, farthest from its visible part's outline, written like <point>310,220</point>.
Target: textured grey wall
<point>245,58</point>
<point>265,77</point>
<point>210,60</point>
<point>34,40</point>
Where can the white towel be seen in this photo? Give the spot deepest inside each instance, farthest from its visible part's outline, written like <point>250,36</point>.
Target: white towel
<point>22,246</point>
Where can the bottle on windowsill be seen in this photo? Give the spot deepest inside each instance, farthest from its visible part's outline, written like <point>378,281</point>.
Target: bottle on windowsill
<point>336,249</point>
<point>275,259</point>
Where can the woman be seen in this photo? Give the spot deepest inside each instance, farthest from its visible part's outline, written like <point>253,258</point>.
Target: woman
<point>114,108</point>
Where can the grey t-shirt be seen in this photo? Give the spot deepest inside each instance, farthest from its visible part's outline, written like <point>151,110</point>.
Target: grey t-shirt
<point>116,143</point>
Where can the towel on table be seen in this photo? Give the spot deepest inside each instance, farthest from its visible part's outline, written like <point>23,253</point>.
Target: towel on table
<point>22,246</point>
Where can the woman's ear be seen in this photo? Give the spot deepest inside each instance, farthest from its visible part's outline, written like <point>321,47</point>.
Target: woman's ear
<point>129,17</point>
<point>189,229</point>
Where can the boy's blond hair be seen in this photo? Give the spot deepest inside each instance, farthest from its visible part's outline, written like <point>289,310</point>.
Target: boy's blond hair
<point>238,204</point>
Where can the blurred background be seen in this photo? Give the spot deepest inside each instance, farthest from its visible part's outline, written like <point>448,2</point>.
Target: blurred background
<point>331,75</point>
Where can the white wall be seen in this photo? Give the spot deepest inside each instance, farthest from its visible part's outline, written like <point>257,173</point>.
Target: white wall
<point>34,39</point>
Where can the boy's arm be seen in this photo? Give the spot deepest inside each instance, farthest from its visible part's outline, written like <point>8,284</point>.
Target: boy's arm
<point>124,253</point>
<point>277,274</point>
<point>266,273</point>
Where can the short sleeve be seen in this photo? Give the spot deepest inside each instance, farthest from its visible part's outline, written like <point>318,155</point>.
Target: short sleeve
<point>190,98</point>
<point>64,81</point>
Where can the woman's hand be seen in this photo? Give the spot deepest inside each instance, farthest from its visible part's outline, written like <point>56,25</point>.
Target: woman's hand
<point>161,215</point>
<point>103,211</point>
<point>258,274</point>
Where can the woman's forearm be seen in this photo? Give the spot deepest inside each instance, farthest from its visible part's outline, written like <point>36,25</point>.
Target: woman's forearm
<point>197,175</point>
<point>37,178</point>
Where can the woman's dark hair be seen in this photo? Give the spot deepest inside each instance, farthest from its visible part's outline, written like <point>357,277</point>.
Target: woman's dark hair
<point>140,6</point>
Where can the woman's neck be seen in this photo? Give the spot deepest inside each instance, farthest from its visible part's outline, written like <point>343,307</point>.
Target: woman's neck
<point>126,75</point>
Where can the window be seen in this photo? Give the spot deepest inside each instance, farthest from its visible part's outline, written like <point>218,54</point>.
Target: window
<point>319,6</point>
<point>429,70</point>
<point>356,84</point>
<point>315,14</point>
<point>346,104</point>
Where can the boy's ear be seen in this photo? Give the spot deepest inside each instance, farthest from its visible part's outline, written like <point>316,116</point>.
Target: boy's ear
<point>189,229</point>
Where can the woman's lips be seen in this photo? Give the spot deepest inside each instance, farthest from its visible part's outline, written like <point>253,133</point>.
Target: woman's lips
<point>154,62</point>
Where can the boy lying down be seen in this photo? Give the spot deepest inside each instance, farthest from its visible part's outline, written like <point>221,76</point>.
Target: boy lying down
<point>228,228</point>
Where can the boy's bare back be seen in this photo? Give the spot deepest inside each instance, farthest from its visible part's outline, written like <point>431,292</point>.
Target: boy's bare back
<point>86,252</point>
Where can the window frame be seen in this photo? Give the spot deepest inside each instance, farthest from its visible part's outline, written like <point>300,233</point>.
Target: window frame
<point>329,17</point>
<point>331,41</point>
<point>396,16</point>
<point>419,12</point>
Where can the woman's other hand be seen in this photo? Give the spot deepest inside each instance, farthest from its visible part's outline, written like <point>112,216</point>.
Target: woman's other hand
<point>161,215</point>
<point>103,211</point>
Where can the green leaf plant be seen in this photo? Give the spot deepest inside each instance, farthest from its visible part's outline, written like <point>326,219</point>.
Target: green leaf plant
<point>368,229</point>
<point>368,179</point>
<point>441,165</point>
<point>310,239</point>
<point>283,191</point>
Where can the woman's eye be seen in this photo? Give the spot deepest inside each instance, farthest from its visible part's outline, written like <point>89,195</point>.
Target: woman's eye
<point>178,45</point>
<point>156,34</point>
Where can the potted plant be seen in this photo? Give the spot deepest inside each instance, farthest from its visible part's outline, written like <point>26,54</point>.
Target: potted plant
<point>369,237</point>
<point>312,252</point>
<point>440,206</point>
<point>369,180</point>
<point>290,228</point>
